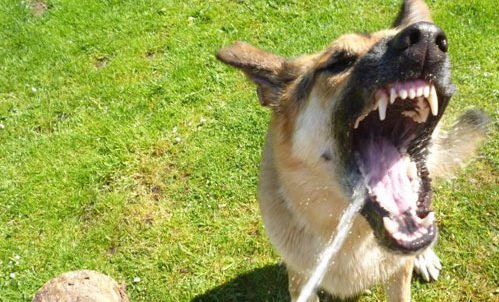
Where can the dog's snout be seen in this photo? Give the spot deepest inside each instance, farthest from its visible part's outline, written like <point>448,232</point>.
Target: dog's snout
<point>422,37</point>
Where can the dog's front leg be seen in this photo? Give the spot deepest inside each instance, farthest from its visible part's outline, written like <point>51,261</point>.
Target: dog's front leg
<point>296,283</point>
<point>398,287</point>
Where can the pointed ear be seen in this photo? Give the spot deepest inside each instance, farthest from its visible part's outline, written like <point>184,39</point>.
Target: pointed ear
<point>412,11</point>
<point>268,71</point>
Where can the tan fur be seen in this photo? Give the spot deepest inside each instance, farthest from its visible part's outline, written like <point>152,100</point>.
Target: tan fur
<point>300,199</point>
<point>301,205</point>
<point>413,11</point>
<point>398,287</point>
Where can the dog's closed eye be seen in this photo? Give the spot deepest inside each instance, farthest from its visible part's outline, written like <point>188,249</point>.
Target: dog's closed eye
<point>339,62</point>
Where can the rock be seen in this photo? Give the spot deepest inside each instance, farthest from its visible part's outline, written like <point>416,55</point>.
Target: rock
<point>81,286</point>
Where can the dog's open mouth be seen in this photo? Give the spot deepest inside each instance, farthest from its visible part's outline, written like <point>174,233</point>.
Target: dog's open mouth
<point>388,143</point>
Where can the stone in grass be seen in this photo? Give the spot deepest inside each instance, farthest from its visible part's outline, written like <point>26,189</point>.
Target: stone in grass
<point>81,286</point>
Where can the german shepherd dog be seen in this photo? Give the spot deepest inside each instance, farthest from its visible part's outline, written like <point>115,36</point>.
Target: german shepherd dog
<point>363,112</point>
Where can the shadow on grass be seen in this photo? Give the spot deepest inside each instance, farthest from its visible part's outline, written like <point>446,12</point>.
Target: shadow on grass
<point>267,284</point>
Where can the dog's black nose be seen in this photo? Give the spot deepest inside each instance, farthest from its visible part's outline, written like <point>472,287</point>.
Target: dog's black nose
<point>421,37</point>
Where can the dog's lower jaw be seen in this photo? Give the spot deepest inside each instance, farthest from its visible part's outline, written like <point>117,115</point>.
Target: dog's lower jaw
<point>360,263</point>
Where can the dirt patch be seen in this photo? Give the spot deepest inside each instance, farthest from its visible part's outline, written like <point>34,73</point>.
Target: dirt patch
<point>156,193</point>
<point>150,55</point>
<point>101,62</point>
<point>38,7</point>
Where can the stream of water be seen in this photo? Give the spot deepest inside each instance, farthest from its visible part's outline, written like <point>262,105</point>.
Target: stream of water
<point>333,246</point>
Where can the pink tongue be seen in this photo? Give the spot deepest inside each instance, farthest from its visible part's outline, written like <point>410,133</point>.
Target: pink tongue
<point>386,175</point>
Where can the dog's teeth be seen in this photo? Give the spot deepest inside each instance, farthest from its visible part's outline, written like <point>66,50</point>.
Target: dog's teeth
<point>358,120</point>
<point>426,91</point>
<point>419,91</point>
<point>412,93</point>
<point>428,220</point>
<point>382,104</point>
<point>407,237</point>
<point>433,100</point>
<point>393,95</point>
<point>423,231</point>
<point>390,225</point>
<point>403,94</point>
<point>397,236</point>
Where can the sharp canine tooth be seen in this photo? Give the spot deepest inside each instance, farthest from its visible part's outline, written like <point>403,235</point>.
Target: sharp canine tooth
<point>433,100</point>
<point>390,225</point>
<point>403,94</point>
<point>412,93</point>
<point>428,220</point>
<point>358,120</point>
<point>382,103</point>
<point>426,91</point>
<point>415,185</point>
<point>431,217</point>
<point>393,95</point>
<point>412,170</point>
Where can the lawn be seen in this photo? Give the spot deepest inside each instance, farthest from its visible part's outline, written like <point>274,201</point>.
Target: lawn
<point>127,148</point>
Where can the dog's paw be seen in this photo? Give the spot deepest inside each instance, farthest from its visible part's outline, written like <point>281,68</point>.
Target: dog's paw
<point>428,265</point>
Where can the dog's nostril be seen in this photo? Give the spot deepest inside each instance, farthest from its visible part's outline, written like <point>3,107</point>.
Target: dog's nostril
<point>407,38</point>
<point>414,37</point>
<point>420,35</point>
<point>441,42</point>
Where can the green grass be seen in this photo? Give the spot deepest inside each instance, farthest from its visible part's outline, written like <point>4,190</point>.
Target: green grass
<point>128,149</point>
